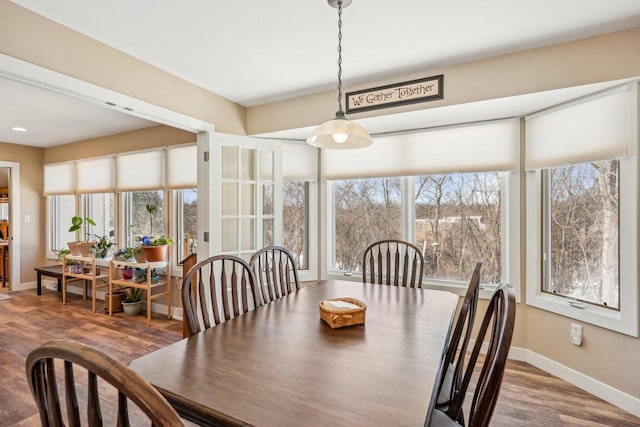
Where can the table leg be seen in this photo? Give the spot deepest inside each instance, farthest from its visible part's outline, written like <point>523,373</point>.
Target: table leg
<point>59,284</point>
<point>39,283</point>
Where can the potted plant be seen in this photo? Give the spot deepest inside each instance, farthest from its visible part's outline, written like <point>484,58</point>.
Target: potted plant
<point>115,299</point>
<point>141,275</point>
<point>155,248</point>
<point>81,247</point>
<point>126,254</point>
<point>102,246</point>
<point>60,253</point>
<point>132,303</point>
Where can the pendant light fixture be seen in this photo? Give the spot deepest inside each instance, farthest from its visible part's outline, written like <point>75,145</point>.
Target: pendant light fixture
<point>339,133</point>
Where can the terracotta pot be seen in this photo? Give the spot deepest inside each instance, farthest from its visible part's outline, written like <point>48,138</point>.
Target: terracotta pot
<point>115,300</point>
<point>155,253</point>
<point>80,248</point>
<point>139,256</point>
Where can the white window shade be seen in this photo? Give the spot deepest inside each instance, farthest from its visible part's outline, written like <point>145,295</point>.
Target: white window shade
<point>600,127</point>
<point>299,162</point>
<point>140,171</point>
<point>182,167</point>
<point>96,175</point>
<point>489,146</point>
<point>59,178</point>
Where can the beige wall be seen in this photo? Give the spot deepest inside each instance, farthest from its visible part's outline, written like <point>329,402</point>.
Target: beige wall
<point>155,136</point>
<point>32,234</point>
<point>597,59</point>
<point>32,38</point>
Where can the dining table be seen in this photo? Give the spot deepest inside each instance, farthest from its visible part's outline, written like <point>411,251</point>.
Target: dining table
<point>281,365</point>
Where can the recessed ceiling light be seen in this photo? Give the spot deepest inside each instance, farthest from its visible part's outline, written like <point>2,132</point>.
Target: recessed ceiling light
<point>18,129</point>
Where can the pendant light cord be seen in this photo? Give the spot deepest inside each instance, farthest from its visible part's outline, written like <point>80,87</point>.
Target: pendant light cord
<point>339,55</point>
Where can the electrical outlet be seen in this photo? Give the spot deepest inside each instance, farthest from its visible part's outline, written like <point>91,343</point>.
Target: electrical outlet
<point>575,336</point>
<point>27,218</point>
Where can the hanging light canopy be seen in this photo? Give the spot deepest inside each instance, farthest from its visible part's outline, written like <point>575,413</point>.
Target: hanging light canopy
<point>339,133</point>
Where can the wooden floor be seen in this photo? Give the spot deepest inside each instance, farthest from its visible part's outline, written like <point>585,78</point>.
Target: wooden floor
<point>529,396</point>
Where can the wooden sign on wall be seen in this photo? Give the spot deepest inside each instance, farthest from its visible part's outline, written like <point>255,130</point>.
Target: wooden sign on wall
<point>393,95</point>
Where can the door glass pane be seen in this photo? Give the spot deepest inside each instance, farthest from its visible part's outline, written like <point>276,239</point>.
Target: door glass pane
<point>247,164</point>
<point>266,165</point>
<point>248,234</point>
<point>229,162</point>
<point>229,235</point>
<point>267,231</point>
<point>229,198</point>
<point>248,200</point>
<point>267,199</point>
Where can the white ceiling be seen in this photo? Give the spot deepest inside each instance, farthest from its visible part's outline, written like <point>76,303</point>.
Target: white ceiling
<point>256,51</point>
<point>53,118</point>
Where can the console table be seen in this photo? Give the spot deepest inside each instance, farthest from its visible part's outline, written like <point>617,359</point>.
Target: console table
<point>54,271</point>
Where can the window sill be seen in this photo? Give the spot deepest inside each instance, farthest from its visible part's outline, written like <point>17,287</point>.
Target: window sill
<point>458,288</point>
<point>599,316</point>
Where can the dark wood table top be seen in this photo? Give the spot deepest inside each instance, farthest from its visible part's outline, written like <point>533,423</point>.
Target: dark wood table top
<point>282,365</point>
<point>55,270</point>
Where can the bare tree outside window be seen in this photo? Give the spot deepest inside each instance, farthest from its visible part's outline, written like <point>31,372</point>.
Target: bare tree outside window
<point>294,215</point>
<point>458,221</point>
<point>366,210</point>
<point>140,220</point>
<point>189,216</point>
<point>581,238</point>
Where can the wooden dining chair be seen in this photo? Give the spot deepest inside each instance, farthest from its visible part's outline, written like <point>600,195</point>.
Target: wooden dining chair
<point>453,364</point>
<point>393,262</point>
<point>500,315</point>
<point>43,381</point>
<point>276,272</point>
<point>225,288</point>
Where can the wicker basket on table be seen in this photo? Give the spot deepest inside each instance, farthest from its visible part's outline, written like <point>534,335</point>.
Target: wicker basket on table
<point>338,317</point>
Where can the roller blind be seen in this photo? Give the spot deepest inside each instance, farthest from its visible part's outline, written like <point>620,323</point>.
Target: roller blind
<point>182,167</point>
<point>477,147</point>
<point>599,127</point>
<point>299,162</point>
<point>59,178</point>
<point>140,171</point>
<point>96,175</point>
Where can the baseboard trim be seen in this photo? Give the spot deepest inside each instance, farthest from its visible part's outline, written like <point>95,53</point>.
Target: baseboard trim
<point>24,286</point>
<point>604,391</point>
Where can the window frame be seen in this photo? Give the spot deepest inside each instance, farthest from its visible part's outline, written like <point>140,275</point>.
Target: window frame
<point>510,253</point>
<point>626,319</point>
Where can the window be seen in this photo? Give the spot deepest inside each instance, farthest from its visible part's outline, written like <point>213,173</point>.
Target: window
<point>101,209</point>
<point>143,215</point>
<point>582,203</point>
<point>581,233</point>
<point>365,210</point>
<point>61,210</point>
<point>187,220</point>
<point>295,212</point>
<point>458,221</point>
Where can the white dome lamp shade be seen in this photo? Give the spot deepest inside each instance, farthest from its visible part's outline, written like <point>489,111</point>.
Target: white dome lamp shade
<point>339,133</point>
